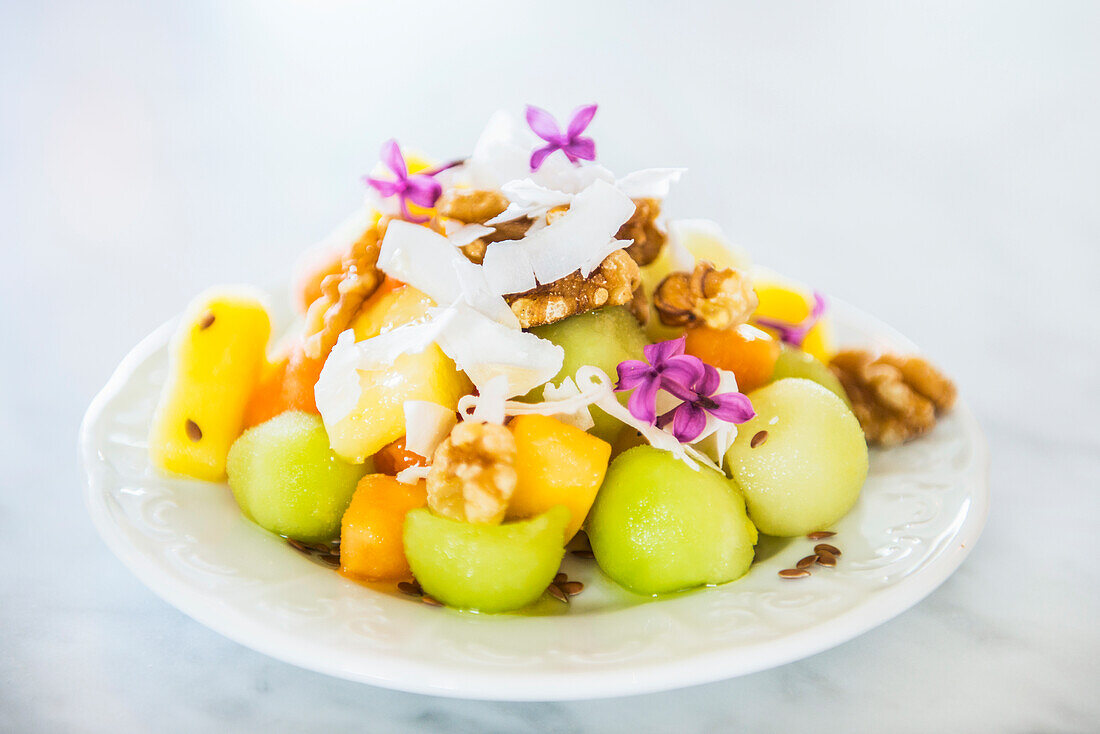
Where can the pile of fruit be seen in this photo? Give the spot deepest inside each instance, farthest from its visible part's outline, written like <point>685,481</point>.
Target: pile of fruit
<point>500,351</point>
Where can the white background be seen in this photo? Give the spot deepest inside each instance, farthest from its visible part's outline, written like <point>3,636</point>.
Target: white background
<point>937,164</point>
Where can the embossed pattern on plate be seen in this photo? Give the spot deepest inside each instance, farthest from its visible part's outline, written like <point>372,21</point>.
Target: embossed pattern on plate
<point>920,513</point>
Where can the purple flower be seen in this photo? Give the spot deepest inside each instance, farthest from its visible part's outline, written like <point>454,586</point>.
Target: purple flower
<point>575,146</point>
<point>689,418</point>
<point>795,334</point>
<point>665,361</point>
<point>420,188</point>
<point>685,377</point>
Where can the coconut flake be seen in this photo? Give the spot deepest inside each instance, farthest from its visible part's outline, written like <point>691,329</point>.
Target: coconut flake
<point>649,183</point>
<point>420,257</point>
<point>431,263</point>
<point>580,239</point>
<point>337,389</point>
<point>484,349</point>
<point>460,234</point>
<point>529,199</point>
<point>426,425</point>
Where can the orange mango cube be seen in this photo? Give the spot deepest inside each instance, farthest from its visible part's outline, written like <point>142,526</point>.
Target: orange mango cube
<point>557,464</point>
<point>371,533</point>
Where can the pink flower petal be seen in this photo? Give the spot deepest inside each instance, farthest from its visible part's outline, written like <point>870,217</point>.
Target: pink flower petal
<point>642,403</point>
<point>391,156</point>
<point>679,373</point>
<point>385,188</point>
<point>732,407</point>
<point>661,351</point>
<point>544,125</point>
<point>707,382</point>
<point>540,155</point>
<point>582,116</point>
<point>582,148</point>
<point>423,190</point>
<point>688,422</point>
<point>633,372</point>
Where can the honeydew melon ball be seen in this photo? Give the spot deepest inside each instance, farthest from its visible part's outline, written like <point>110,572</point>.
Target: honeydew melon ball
<point>659,526</point>
<point>488,568</point>
<point>807,473</point>
<point>287,480</point>
<point>601,338</point>
<point>793,362</point>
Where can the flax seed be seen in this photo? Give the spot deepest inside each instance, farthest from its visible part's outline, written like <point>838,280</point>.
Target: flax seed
<point>409,587</point>
<point>806,562</point>
<point>821,534</point>
<point>759,439</point>
<point>826,548</point>
<point>793,573</point>
<point>572,588</point>
<point>193,431</point>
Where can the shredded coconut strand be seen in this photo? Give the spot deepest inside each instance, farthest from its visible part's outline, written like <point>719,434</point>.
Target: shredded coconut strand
<point>596,388</point>
<point>413,474</point>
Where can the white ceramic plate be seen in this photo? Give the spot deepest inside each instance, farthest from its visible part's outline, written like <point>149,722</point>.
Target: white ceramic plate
<point>920,513</point>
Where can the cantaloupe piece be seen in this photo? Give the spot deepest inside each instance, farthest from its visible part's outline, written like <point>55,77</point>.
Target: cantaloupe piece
<point>266,400</point>
<point>371,534</point>
<point>286,384</point>
<point>217,355</point>
<point>394,457</point>
<point>746,351</point>
<point>557,464</point>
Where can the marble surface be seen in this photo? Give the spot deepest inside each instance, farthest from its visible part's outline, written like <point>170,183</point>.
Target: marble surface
<point>937,165</point>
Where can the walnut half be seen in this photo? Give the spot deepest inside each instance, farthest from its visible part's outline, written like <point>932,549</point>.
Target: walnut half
<point>342,293</point>
<point>472,206</point>
<point>642,228</point>
<point>721,299</point>
<point>896,398</point>
<point>613,283</point>
<point>473,473</point>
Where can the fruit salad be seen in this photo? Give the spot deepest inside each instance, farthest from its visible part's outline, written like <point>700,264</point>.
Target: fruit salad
<point>517,352</point>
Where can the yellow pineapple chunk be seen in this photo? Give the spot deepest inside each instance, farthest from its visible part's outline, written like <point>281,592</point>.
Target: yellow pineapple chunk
<point>401,305</point>
<point>379,416</point>
<point>217,355</point>
<point>790,303</point>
